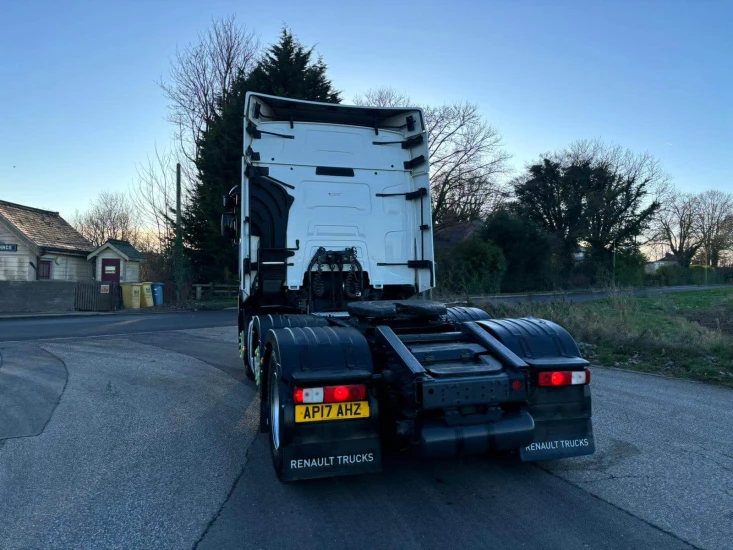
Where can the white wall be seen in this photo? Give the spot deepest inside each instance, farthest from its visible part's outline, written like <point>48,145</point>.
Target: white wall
<point>15,266</point>
<point>70,268</point>
<point>132,272</point>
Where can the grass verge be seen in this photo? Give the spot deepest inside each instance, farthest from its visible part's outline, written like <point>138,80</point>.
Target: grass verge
<point>684,334</point>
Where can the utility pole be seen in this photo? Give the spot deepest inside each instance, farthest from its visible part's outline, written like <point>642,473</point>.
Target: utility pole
<point>178,251</point>
<point>614,262</point>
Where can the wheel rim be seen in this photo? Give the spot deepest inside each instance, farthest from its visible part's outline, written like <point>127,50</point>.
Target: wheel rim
<point>275,413</point>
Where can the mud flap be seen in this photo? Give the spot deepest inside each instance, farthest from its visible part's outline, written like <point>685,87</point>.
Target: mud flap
<point>560,439</point>
<point>335,458</point>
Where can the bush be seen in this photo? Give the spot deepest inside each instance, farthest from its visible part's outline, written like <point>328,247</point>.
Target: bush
<point>474,266</point>
<point>527,250</point>
<point>598,269</point>
<point>673,275</point>
<point>630,268</point>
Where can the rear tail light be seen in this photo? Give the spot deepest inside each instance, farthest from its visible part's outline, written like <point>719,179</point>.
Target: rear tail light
<point>564,378</point>
<point>330,394</point>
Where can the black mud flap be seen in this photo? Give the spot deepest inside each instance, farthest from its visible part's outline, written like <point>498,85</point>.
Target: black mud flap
<point>560,439</point>
<point>334,458</point>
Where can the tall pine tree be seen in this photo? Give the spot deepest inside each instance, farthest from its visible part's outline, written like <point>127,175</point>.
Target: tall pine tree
<point>288,69</point>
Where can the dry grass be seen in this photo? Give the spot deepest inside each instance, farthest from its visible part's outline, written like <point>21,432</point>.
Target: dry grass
<point>682,334</point>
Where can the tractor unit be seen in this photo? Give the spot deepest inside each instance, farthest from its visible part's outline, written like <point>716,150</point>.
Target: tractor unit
<point>333,222</point>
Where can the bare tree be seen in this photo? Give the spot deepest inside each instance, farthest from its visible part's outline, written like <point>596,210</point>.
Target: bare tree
<point>201,74</point>
<point>467,162</point>
<point>641,167</point>
<point>383,97</point>
<point>714,224</point>
<point>154,198</point>
<point>110,216</point>
<point>467,158</point>
<point>677,227</point>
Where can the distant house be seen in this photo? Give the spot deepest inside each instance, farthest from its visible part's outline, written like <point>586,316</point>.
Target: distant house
<point>450,236</point>
<point>582,253</point>
<point>117,261</point>
<point>39,244</point>
<point>667,260</point>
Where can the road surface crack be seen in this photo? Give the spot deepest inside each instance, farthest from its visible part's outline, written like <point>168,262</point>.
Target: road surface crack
<point>579,485</point>
<point>702,454</point>
<point>254,408</point>
<point>611,477</point>
<point>55,405</point>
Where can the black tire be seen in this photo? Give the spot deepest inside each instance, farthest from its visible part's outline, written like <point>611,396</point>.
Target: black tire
<point>264,402</point>
<point>275,404</point>
<point>243,324</point>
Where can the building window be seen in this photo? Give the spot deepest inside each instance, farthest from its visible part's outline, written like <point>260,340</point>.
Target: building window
<point>44,269</point>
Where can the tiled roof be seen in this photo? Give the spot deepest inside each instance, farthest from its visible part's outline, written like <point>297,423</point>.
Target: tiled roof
<point>450,236</point>
<point>44,228</point>
<point>127,249</point>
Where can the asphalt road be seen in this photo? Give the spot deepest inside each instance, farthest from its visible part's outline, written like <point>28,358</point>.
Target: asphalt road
<point>149,440</point>
<point>34,328</point>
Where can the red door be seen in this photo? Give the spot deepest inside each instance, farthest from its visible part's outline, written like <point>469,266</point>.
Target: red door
<point>111,270</point>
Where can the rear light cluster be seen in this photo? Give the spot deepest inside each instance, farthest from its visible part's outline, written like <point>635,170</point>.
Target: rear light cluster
<point>330,394</point>
<point>564,378</point>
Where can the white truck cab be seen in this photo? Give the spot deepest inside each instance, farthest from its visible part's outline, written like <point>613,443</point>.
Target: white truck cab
<point>335,204</point>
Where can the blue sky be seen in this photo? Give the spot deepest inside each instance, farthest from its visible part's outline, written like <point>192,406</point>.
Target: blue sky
<point>79,106</point>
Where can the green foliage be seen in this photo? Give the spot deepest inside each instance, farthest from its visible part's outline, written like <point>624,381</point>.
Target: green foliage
<point>630,267</point>
<point>584,201</point>
<point>288,69</point>
<point>685,334</point>
<point>672,275</point>
<point>474,266</point>
<point>526,248</point>
<point>597,270</point>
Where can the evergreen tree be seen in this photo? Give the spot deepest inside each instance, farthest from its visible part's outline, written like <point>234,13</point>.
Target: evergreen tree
<point>287,69</point>
<point>526,247</point>
<point>586,202</point>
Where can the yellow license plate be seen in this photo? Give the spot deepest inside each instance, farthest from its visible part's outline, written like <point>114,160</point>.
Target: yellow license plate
<point>332,411</point>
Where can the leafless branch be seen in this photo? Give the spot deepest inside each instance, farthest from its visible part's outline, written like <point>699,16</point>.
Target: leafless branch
<point>714,224</point>
<point>153,195</point>
<point>200,75</point>
<point>383,97</point>
<point>110,216</point>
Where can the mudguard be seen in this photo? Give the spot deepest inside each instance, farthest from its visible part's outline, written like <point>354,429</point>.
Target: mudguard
<point>319,356</point>
<point>562,415</point>
<point>462,314</point>
<point>264,323</point>
<point>541,343</point>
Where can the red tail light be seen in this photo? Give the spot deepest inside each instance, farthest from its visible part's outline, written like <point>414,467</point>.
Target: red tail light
<point>298,395</point>
<point>330,394</point>
<point>564,378</point>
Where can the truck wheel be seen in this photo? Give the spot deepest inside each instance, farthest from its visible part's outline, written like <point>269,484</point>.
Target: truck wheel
<point>276,415</point>
<point>263,390</point>
<point>247,343</point>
